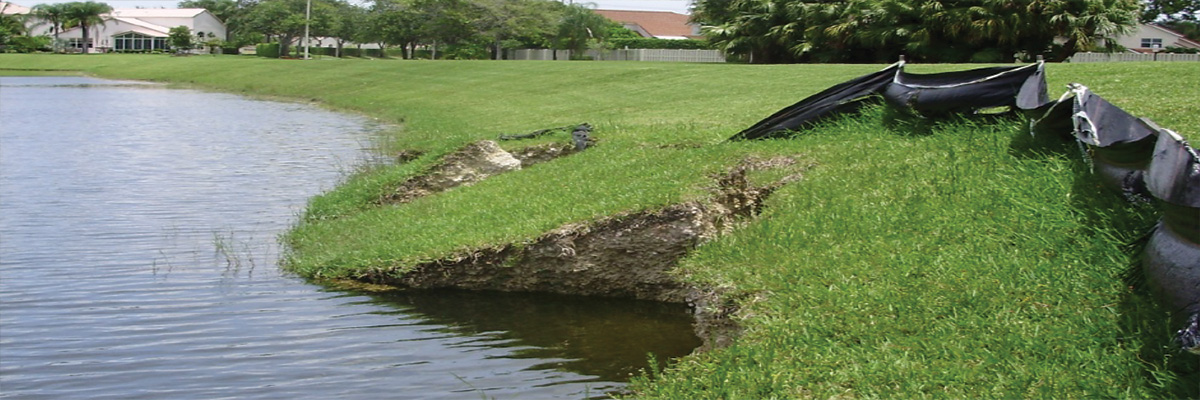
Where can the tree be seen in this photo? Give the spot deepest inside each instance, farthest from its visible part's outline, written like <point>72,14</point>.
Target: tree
<point>347,23</point>
<point>925,30</point>
<point>395,23</point>
<point>516,20</point>
<point>53,14</point>
<point>11,26</point>
<point>84,15</point>
<point>578,26</point>
<point>1171,10</point>
<point>446,21</point>
<point>284,20</point>
<point>1083,22</point>
<point>180,38</point>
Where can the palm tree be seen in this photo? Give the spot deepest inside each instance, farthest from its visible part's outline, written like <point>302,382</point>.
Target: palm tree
<point>85,14</point>
<point>1083,22</point>
<point>578,27</point>
<point>55,15</point>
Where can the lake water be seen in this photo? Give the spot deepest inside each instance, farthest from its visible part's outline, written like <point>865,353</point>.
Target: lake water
<point>138,255</point>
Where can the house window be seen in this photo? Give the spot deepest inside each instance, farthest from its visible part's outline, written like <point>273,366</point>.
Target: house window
<point>1152,43</point>
<point>131,41</point>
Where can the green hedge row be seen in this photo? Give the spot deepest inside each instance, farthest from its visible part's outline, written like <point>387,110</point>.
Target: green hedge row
<point>655,43</point>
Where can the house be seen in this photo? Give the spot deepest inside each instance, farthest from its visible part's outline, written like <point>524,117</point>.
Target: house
<point>1147,38</point>
<point>654,24</point>
<point>145,29</point>
<point>31,25</point>
<point>141,29</point>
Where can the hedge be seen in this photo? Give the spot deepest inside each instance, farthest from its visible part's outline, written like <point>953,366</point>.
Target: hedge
<point>656,43</point>
<point>268,50</point>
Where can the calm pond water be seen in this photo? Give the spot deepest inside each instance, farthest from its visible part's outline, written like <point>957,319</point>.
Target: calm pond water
<point>138,256</point>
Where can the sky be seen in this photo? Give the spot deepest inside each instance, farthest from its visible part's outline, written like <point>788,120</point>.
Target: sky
<point>679,6</point>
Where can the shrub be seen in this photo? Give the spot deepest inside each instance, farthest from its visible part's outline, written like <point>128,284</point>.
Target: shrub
<point>656,43</point>
<point>29,44</point>
<point>1180,50</point>
<point>268,50</point>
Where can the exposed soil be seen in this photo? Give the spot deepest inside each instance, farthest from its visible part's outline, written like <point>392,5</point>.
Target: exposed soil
<point>473,163</point>
<point>630,255</point>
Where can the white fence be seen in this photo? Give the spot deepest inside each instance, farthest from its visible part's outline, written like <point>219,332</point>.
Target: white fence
<point>669,55</point>
<point>1117,57</point>
<point>539,54</point>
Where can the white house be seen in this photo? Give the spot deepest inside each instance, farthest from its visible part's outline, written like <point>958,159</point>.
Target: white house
<point>1149,37</point>
<point>130,29</point>
<point>145,29</point>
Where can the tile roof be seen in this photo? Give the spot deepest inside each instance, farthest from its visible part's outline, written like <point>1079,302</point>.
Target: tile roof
<point>665,24</point>
<point>157,12</point>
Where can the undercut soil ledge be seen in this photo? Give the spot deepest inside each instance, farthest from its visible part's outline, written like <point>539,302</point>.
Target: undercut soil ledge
<point>628,256</point>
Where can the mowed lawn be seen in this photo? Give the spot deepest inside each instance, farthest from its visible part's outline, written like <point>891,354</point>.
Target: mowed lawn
<point>966,259</point>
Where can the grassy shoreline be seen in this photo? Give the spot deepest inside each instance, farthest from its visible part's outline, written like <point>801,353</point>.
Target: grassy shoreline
<point>973,261</point>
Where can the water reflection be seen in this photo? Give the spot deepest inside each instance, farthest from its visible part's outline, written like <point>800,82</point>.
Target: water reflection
<point>138,261</point>
<point>606,338</point>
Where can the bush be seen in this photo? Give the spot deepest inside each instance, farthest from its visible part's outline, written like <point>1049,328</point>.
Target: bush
<point>656,43</point>
<point>29,44</point>
<point>1180,50</point>
<point>268,50</point>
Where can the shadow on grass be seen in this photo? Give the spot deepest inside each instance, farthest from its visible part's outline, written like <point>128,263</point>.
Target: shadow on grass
<point>1143,320</point>
<point>906,122</point>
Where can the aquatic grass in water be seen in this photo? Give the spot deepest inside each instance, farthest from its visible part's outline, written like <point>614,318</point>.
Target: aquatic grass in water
<point>970,261</point>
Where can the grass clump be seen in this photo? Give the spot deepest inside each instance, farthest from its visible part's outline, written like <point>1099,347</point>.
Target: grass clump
<point>968,261</point>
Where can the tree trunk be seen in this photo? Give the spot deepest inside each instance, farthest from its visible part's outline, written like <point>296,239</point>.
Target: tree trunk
<point>285,48</point>
<point>84,42</point>
<point>433,54</point>
<point>499,51</point>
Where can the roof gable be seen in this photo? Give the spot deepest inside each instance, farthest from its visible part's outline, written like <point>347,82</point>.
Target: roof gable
<point>146,27</point>
<point>1183,40</point>
<point>665,24</point>
<point>13,9</point>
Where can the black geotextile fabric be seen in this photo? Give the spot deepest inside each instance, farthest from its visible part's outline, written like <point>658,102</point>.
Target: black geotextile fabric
<point>845,97</point>
<point>1021,88</point>
<point>1102,124</point>
<point>1174,173</point>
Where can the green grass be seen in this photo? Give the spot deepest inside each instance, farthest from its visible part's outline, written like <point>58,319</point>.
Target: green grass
<point>969,261</point>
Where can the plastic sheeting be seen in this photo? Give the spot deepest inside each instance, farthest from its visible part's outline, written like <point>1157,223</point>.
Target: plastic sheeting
<point>845,97</point>
<point>1019,88</point>
<point>1022,88</point>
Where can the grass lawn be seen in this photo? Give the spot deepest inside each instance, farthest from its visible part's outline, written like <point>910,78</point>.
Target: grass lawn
<point>969,261</point>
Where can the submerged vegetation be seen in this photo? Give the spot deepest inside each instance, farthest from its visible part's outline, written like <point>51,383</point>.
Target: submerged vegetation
<point>962,259</point>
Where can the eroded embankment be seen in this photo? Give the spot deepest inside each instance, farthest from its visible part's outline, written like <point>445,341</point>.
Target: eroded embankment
<point>630,255</point>
<point>473,163</point>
